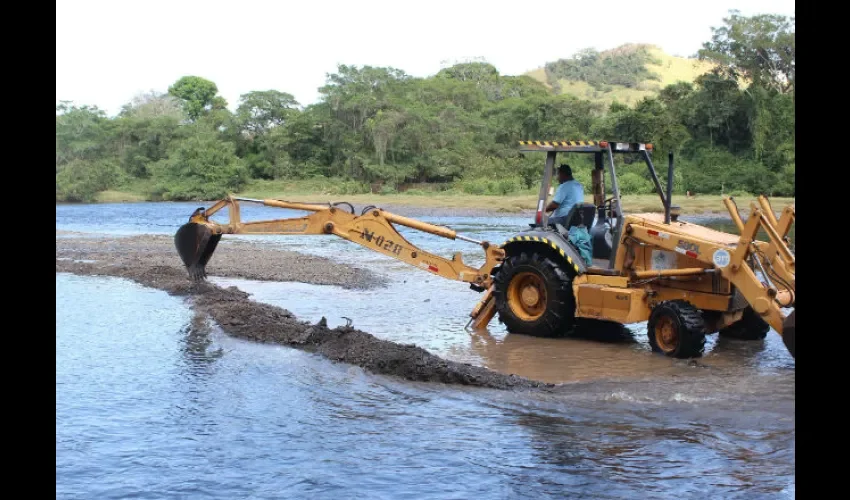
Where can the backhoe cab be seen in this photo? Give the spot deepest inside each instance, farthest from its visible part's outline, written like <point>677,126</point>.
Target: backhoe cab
<point>685,279</point>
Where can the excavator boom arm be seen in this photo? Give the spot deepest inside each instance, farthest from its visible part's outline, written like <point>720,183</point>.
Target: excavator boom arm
<point>373,229</point>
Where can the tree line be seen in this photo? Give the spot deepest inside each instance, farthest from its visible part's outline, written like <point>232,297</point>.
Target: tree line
<point>733,129</point>
<point>624,66</point>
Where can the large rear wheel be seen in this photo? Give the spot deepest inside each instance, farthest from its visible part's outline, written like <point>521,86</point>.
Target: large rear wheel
<point>677,329</point>
<point>534,295</point>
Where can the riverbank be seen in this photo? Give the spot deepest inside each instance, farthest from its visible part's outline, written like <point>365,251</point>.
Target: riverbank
<point>453,202</point>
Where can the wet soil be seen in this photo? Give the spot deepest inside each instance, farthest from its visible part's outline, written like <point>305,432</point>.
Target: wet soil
<point>232,259</point>
<point>152,261</point>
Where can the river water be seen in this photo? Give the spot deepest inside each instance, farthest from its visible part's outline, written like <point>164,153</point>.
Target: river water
<point>151,402</point>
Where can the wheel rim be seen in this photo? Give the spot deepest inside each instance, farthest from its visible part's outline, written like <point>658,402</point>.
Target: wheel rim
<point>527,296</point>
<point>666,334</point>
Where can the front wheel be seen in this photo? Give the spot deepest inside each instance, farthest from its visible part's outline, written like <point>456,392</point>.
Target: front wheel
<point>534,295</point>
<point>677,329</point>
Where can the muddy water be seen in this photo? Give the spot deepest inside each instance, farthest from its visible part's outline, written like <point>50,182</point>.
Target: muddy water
<point>152,403</point>
<point>433,315</point>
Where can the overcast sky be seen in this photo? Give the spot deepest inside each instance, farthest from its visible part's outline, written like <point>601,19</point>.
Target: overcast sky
<point>108,51</point>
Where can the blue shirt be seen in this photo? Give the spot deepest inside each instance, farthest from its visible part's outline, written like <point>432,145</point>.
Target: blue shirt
<point>567,195</point>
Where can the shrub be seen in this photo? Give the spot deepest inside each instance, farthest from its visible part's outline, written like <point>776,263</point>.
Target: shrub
<point>484,186</point>
<point>633,183</point>
<point>81,180</point>
<point>201,168</point>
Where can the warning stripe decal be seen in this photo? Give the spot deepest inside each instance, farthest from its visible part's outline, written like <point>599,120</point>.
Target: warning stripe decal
<point>682,251</point>
<point>547,242</point>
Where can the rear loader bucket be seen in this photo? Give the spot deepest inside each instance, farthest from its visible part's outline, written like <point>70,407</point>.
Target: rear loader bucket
<point>788,332</point>
<point>195,243</point>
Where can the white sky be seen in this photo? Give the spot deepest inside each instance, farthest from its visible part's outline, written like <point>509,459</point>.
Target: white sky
<point>108,51</point>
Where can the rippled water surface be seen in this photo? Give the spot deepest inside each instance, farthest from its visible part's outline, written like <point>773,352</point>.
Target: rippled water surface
<point>152,402</point>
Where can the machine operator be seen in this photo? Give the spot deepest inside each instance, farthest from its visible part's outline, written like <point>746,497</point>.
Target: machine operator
<point>569,193</point>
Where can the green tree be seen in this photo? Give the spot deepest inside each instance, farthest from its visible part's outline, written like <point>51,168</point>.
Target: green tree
<point>481,75</point>
<point>202,167</point>
<point>198,95</point>
<point>153,105</point>
<point>760,50</point>
<point>625,65</point>
<point>82,133</point>
<point>142,141</point>
<point>717,113</point>
<point>649,121</point>
<point>259,111</point>
<point>81,180</point>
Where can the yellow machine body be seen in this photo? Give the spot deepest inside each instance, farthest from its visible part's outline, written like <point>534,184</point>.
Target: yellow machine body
<point>685,279</point>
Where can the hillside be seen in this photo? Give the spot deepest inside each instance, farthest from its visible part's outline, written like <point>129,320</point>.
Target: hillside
<point>593,77</point>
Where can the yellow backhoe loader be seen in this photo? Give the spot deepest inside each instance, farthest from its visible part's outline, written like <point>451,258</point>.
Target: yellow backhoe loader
<point>686,280</point>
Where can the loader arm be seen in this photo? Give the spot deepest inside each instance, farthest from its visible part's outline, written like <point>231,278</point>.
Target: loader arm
<point>773,258</point>
<point>373,229</point>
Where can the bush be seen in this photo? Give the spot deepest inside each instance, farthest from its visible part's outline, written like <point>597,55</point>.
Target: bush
<point>81,180</point>
<point>259,167</point>
<point>633,183</point>
<point>391,174</point>
<point>345,186</point>
<point>711,170</point>
<point>388,189</point>
<point>200,168</point>
<point>332,186</point>
<point>786,185</point>
<point>420,192</point>
<point>508,186</point>
<point>484,186</point>
<point>279,166</point>
<point>474,186</point>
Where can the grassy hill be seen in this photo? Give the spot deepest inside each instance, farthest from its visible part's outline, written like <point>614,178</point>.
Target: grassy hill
<point>595,76</point>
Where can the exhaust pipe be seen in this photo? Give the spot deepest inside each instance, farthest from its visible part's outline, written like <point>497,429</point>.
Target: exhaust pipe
<point>195,244</point>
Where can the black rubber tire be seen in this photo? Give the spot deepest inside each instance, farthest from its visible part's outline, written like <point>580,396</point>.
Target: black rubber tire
<point>689,325</point>
<point>749,327</point>
<point>559,315</point>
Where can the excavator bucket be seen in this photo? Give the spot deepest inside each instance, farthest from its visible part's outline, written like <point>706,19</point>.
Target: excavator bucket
<point>788,331</point>
<point>195,243</point>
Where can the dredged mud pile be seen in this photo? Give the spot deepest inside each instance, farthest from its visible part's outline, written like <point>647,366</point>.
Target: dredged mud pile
<point>232,259</point>
<point>140,260</point>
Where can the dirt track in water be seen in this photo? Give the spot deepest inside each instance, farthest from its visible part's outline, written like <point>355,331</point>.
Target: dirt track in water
<point>152,261</point>
<point>233,259</point>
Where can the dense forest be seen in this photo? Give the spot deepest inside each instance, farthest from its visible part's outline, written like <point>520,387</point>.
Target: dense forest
<point>624,66</point>
<point>376,128</point>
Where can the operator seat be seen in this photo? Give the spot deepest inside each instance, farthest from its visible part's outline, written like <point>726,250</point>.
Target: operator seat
<point>580,214</point>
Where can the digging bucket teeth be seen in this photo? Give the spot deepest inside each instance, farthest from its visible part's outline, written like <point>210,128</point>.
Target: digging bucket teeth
<point>195,243</point>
